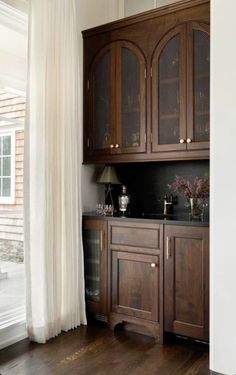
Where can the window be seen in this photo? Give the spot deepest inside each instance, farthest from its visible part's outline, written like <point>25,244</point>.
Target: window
<point>7,168</point>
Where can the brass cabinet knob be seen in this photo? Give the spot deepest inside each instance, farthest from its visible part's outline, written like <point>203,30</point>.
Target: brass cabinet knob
<point>182,140</point>
<point>153,265</point>
<point>117,146</point>
<point>111,146</point>
<point>189,140</point>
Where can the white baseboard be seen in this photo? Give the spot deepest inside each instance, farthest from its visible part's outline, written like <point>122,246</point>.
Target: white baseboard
<point>12,334</point>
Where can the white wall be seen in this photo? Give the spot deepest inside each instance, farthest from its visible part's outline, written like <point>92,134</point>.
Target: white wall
<point>22,5</point>
<point>13,58</point>
<point>223,183</point>
<point>13,46</point>
<point>137,6</point>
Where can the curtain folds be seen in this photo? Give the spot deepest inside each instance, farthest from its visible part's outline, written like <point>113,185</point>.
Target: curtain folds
<point>53,238</point>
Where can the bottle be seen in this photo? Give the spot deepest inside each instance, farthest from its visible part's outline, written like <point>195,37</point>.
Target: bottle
<point>124,200</point>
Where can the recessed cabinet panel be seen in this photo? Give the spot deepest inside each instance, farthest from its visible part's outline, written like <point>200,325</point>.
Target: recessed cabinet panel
<point>186,280</point>
<point>189,258</point>
<point>102,128</point>
<point>135,235</point>
<point>135,285</point>
<point>201,87</point>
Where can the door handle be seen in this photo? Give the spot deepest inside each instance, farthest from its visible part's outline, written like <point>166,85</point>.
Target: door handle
<point>168,248</point>
<point>101,241</point>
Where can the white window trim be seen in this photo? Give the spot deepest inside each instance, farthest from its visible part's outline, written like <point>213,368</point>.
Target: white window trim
<point>11,199</point>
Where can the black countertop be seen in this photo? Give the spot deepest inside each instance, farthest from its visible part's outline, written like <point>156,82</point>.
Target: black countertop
<point>176,219</point>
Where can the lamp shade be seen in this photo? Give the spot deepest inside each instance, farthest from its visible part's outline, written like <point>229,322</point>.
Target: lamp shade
<point>108,176</point>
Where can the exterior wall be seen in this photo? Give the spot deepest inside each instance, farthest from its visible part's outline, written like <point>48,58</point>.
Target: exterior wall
<point>19,201</point>
<point>19,170</point>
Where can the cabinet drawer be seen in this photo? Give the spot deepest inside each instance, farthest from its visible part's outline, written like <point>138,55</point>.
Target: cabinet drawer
<point>137,235</point>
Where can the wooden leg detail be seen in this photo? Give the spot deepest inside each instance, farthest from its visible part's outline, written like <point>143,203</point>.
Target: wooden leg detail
<point>113,320</point>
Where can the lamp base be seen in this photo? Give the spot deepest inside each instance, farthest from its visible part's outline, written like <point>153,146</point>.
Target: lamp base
<point>108,195</point>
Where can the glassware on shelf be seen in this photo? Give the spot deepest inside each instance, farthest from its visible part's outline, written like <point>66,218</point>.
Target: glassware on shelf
<point>104,209</point>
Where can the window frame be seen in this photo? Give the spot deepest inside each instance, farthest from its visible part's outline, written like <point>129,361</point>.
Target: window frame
<point>11,198</point>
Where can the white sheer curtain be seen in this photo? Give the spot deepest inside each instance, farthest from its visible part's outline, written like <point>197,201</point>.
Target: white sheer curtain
<point>53,241</point>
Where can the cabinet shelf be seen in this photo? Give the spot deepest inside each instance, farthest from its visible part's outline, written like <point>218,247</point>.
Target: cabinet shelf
<point>174,116</point>
<point>92,241</point>
<point>132,110</point>
<point>202,113</point>
<point>94,278</point>
<point>201,75</point>
<point>169,81</point>
<point>92,261</point>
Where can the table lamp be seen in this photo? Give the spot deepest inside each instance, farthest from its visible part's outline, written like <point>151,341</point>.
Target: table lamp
<point>109,177</point>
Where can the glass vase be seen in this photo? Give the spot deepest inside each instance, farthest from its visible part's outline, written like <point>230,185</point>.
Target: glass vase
<point>196,206</point>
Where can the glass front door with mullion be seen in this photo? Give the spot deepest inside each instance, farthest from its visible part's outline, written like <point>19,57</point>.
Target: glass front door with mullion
<point>131,102</point>
<point>101,102</point>
<point>199,87</point>
<point>169,92</point>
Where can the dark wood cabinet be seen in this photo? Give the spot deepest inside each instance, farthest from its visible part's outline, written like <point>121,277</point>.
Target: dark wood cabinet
<point>116,100</point>
<point>135,277</point>
<point>180,89</point>
<point>146,86</point>
<point>95,265</point>
<point>152,278</point>
<point>186,280</point>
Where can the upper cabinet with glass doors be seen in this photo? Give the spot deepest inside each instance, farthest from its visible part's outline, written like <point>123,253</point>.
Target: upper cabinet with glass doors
<point>116,90</point>
<point>180,89</point>
<point>146,86</point>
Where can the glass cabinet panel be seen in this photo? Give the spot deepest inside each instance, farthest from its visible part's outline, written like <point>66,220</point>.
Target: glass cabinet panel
<point>168,95</point>
<point>201,85</point>
<point>92,246</point>
<point>102,102</point>
<point>130,98</point>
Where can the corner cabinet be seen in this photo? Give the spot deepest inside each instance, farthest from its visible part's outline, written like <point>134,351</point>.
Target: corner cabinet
<point>116,91</point>
<point>95,265</point>
<point>146,86</point>
<point>186,280</point>
<point>180,89</point>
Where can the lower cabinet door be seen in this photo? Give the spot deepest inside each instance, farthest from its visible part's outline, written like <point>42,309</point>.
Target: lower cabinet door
<point>135,280</point>
<point>186,281</point>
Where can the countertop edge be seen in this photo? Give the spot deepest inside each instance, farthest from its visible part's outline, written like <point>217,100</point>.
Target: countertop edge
<point>92,215</point>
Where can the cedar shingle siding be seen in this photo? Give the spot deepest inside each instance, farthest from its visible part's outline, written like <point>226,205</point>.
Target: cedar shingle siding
<point>12,108</point>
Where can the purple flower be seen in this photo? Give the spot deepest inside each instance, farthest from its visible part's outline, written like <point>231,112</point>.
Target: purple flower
<point>198,189</point>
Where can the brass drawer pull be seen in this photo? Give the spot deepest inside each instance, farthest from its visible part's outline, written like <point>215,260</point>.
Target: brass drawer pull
<point>168,249</point>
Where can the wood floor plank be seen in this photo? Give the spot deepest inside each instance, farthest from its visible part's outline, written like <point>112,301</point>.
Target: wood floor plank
<point>95,350</point>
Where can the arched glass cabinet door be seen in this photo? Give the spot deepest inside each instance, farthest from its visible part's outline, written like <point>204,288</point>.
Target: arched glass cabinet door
<point>169,92</point>
<point>131,102</point>
<point>198,71</point>
<point>100,104</point>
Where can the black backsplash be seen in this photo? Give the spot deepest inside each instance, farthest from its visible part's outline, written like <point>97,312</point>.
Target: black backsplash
<point>147,183</point>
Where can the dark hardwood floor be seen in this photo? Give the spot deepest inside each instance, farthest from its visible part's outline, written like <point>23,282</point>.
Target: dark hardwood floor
<point>95,350</point>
